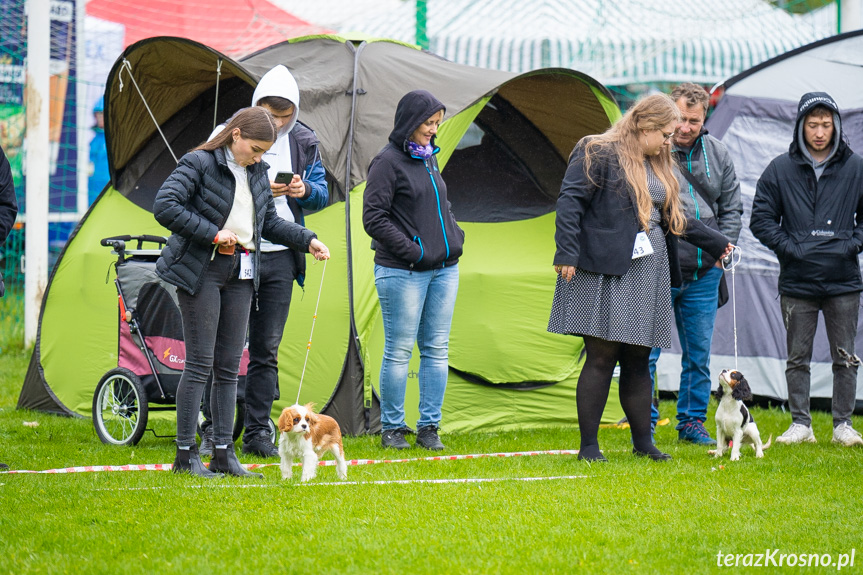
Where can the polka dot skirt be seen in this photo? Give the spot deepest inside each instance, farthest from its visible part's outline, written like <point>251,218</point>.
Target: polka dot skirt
<point>634,308</point>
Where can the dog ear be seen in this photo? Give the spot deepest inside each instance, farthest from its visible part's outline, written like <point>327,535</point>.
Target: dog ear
<point>718,393</point>
<point>741,391</point>
<point>286,422</point>
<point>310,410</point>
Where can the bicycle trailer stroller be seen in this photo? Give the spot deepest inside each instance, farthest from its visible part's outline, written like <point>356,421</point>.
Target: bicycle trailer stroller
<point>151,350</point>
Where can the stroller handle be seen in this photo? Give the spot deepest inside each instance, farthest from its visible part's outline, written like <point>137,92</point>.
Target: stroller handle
<point>111,242</point>
<point>118,244</point>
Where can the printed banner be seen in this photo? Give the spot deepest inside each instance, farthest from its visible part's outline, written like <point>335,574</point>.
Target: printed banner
<point>62,107</point>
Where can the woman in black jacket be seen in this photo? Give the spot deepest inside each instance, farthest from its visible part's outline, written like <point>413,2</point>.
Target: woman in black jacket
<point>218,205</point>
<point>417,245</point>
<point>618,219</point>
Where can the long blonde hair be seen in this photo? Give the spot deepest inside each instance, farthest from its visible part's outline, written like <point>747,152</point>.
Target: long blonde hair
<point>650,113</point>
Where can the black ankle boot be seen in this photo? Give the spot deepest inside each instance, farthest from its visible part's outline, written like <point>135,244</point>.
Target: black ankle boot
<point>591,453</point>
<point>225,460</point>
<point>652,453</point>
<point>188,461</point>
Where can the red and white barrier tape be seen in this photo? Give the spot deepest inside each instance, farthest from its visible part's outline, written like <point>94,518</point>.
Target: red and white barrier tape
<point>232,485</point>
<point>329,462</point>
<point>455,480</point>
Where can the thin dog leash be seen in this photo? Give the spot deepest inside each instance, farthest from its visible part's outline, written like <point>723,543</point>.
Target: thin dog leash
<point>314,319</point>
<point>732,263</point>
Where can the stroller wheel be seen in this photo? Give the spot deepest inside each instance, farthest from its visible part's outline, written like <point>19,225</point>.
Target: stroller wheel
<point>274,432</point>
<point>120,408</point>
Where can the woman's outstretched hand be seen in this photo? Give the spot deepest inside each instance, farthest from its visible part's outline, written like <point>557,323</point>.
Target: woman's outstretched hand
<point>319,250</point>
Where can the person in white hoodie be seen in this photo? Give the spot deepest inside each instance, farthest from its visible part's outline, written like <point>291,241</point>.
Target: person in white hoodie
<point>295,151</point>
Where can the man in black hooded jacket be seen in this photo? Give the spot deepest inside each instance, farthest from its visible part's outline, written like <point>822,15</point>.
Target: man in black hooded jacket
<point>808,209</point>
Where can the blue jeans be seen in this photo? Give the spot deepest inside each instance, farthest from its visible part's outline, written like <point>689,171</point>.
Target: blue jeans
<point>840,318</point>
<point>416,306</point>
<point>214,331</point>
<point>694,305</point>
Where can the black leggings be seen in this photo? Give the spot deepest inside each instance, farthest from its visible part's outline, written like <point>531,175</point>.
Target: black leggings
<point>635,391</point>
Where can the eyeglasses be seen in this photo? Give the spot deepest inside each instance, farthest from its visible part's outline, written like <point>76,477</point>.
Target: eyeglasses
<point>665,136</point>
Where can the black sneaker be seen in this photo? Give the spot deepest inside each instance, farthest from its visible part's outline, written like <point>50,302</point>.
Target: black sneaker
<point>3,467</point>
<point>394,438</point>
<point>261,446</point>
<point>427,437</point>
<point>206,449</point>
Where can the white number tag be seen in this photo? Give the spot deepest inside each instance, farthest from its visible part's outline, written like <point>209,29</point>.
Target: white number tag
<point>642,246</point>
<point>247,266</point>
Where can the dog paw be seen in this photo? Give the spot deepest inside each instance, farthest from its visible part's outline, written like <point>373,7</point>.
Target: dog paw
<point>735,457</point>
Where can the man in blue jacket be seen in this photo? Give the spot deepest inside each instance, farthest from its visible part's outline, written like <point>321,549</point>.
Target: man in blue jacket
<point>808,209</point>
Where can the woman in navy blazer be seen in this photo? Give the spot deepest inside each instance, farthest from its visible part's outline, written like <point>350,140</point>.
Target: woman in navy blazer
<point>618,223</point>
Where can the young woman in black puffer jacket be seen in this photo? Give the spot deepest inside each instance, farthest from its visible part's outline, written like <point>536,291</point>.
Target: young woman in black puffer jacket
<point>218,205</point>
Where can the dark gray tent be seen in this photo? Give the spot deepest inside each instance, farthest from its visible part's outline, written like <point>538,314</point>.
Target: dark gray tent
<point>505,142</point>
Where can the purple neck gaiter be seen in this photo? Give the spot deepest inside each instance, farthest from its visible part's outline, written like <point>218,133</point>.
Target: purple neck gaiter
<point>423,152</point>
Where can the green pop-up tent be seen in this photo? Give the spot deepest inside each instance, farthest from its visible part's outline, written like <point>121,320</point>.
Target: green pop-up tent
<point>504,142</point>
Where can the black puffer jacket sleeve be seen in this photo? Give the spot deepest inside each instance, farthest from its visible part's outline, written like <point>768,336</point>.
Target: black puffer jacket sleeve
<point>280,231</point>
<point>170,207</point>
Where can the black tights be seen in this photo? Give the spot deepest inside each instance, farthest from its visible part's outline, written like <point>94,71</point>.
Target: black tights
<point>635,392</point>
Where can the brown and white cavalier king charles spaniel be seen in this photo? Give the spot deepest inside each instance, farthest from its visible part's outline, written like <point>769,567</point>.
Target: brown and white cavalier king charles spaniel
<point>308,435</point>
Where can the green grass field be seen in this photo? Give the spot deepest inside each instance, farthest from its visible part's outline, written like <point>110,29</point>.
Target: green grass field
<point>541,514</point>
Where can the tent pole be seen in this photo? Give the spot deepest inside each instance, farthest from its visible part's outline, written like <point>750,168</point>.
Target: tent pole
<point>838,16</point>
<point>422,36</point>
<point>349,247</point>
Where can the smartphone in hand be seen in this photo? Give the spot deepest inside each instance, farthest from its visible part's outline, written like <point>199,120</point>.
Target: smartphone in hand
<point>284,177</point>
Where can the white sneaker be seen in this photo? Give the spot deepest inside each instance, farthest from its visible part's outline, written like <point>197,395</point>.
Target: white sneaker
<point>797,433</point>
<point>846,435</point>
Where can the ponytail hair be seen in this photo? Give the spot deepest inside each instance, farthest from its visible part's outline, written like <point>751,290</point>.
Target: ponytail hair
<point>255,123</point>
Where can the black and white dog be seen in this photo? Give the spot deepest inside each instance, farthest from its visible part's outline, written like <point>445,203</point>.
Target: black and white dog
<point>734,423</point>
